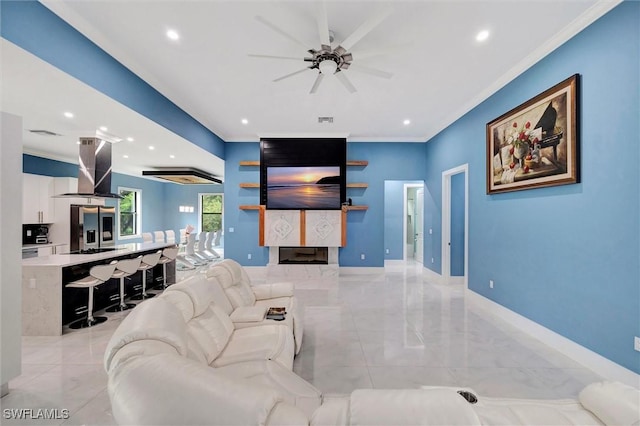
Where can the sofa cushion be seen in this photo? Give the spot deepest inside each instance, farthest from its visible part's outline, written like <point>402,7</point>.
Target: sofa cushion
<point>180,300</point>
<point>240,293</point>
<point>268,342</point>
<point>209,334</point>
<point>155,320</point>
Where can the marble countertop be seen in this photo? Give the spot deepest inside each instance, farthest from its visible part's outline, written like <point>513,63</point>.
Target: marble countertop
<point>62,260</point>
<point>33,246</point>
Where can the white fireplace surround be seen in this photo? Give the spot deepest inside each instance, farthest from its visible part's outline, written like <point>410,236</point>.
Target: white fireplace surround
<point>274,269</point>
<point>322,228</point>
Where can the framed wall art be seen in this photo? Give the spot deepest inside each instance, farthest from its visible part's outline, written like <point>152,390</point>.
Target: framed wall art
<point>535,144</point>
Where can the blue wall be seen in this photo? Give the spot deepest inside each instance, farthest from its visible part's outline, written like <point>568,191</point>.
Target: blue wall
<point>185,195</point>
<point>365,229</point>
<point>36,29</point>
<point>567,257</point>
<point>244,238</point>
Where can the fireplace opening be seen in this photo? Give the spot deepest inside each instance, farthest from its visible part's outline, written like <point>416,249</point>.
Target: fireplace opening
<point>303,256</point>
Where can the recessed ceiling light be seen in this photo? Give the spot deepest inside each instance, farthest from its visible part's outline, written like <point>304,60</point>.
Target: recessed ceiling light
<point>482,35</point>
<point>68,114</point>
<point>125,156</point>
<point>130,139</point>
<point>172,156</point>
<point>245,121</point>
<point>406,122</point>
<point>151,147</point>
<point>103,128</point>
<point>173,34</point>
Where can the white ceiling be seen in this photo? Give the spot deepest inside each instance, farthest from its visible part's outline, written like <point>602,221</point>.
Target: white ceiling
<point>439,70</point>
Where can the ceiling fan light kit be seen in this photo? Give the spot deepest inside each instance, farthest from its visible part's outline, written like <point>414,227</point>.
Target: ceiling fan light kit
<point>326,60</point>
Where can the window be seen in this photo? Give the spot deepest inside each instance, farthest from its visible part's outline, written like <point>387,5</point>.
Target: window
<point>129,212</point>
<point>210,212</point>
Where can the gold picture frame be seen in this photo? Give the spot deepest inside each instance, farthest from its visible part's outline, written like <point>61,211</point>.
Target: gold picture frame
<point>535,144</point>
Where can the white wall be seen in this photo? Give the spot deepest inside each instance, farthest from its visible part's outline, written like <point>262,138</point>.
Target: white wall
<point>10,248</point>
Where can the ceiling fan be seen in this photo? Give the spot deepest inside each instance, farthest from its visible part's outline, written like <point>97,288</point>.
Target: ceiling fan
<point>328,60</point>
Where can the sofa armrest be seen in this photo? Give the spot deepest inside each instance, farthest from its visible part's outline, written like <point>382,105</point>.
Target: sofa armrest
<point>271,291</point>
<point>410,407</point>
<point>614,403</point>
<point>191,394</point>
<point>243,314</point>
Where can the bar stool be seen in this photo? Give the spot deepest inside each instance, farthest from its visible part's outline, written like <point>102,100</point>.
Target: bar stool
<point>124,268</point>
<point>148,262</point>
<point>158,236</point>
<point>168,255</point>
<point>97,275</point>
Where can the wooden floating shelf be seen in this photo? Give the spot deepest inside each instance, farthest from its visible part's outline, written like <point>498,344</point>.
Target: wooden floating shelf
<point>357,185</point>
<point>250,163</point>
<point>249,185</point>
<point>249,207</point>
<point>355,208</point>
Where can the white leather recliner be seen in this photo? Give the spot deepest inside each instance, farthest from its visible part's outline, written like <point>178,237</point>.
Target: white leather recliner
<point>237,286</point>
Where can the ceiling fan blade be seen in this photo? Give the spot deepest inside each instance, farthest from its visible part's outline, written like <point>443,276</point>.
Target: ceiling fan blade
<point>345,82</point>
<point>372,71</point>
<point>316,83</point>
<point>280,31</point>
<point>323,24</point>
<point>253,55</point>
<point>290,75</point>
<point>366,26</point>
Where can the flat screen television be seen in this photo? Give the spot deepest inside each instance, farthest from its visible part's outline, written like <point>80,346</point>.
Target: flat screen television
<point>304,188</point>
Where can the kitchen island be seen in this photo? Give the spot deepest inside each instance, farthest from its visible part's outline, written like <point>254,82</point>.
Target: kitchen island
<point>47,304</point>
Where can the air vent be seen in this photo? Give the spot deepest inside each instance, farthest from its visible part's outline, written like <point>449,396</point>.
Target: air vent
<point>44,132</point>
<point>325,120</point>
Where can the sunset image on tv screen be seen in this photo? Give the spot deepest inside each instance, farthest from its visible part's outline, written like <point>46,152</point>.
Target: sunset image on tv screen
<point>303,187</point>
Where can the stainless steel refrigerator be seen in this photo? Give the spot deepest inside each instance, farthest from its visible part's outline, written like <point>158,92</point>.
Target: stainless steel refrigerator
<point>92,227</point>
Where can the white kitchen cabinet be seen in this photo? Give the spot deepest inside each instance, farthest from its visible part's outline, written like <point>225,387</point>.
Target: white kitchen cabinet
<point>37,202</point>
<point>53,249</point>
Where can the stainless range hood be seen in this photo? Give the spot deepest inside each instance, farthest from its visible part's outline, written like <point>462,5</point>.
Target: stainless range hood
<point>94,171</point>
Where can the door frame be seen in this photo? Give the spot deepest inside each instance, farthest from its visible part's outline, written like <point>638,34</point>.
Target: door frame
<point>405,211</point>
<point>446,222</point>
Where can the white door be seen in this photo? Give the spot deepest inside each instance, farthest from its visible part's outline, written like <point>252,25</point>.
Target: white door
<point>419,222</point>
<point>446,223</point>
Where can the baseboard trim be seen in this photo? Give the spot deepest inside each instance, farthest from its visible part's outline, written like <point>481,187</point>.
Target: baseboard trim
<point>597,363</point>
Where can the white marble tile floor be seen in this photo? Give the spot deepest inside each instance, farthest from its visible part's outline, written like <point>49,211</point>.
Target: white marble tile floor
<point>390,330</point>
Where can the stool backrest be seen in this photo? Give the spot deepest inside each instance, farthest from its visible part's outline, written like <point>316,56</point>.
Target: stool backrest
<point>102,272</point>
<point>152,258</point>
<point>171,236</point>
<point>208,244</point>
<point>170,252</point>
<point>147,237</point>
<point>159,236</point>
<point>129,266</point>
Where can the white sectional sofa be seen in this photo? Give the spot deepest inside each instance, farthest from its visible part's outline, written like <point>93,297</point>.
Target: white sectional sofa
<point>179,359</point>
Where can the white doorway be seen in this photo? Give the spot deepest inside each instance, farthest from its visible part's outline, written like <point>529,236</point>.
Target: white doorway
<point>449,222</point>
<point>413,246</point>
